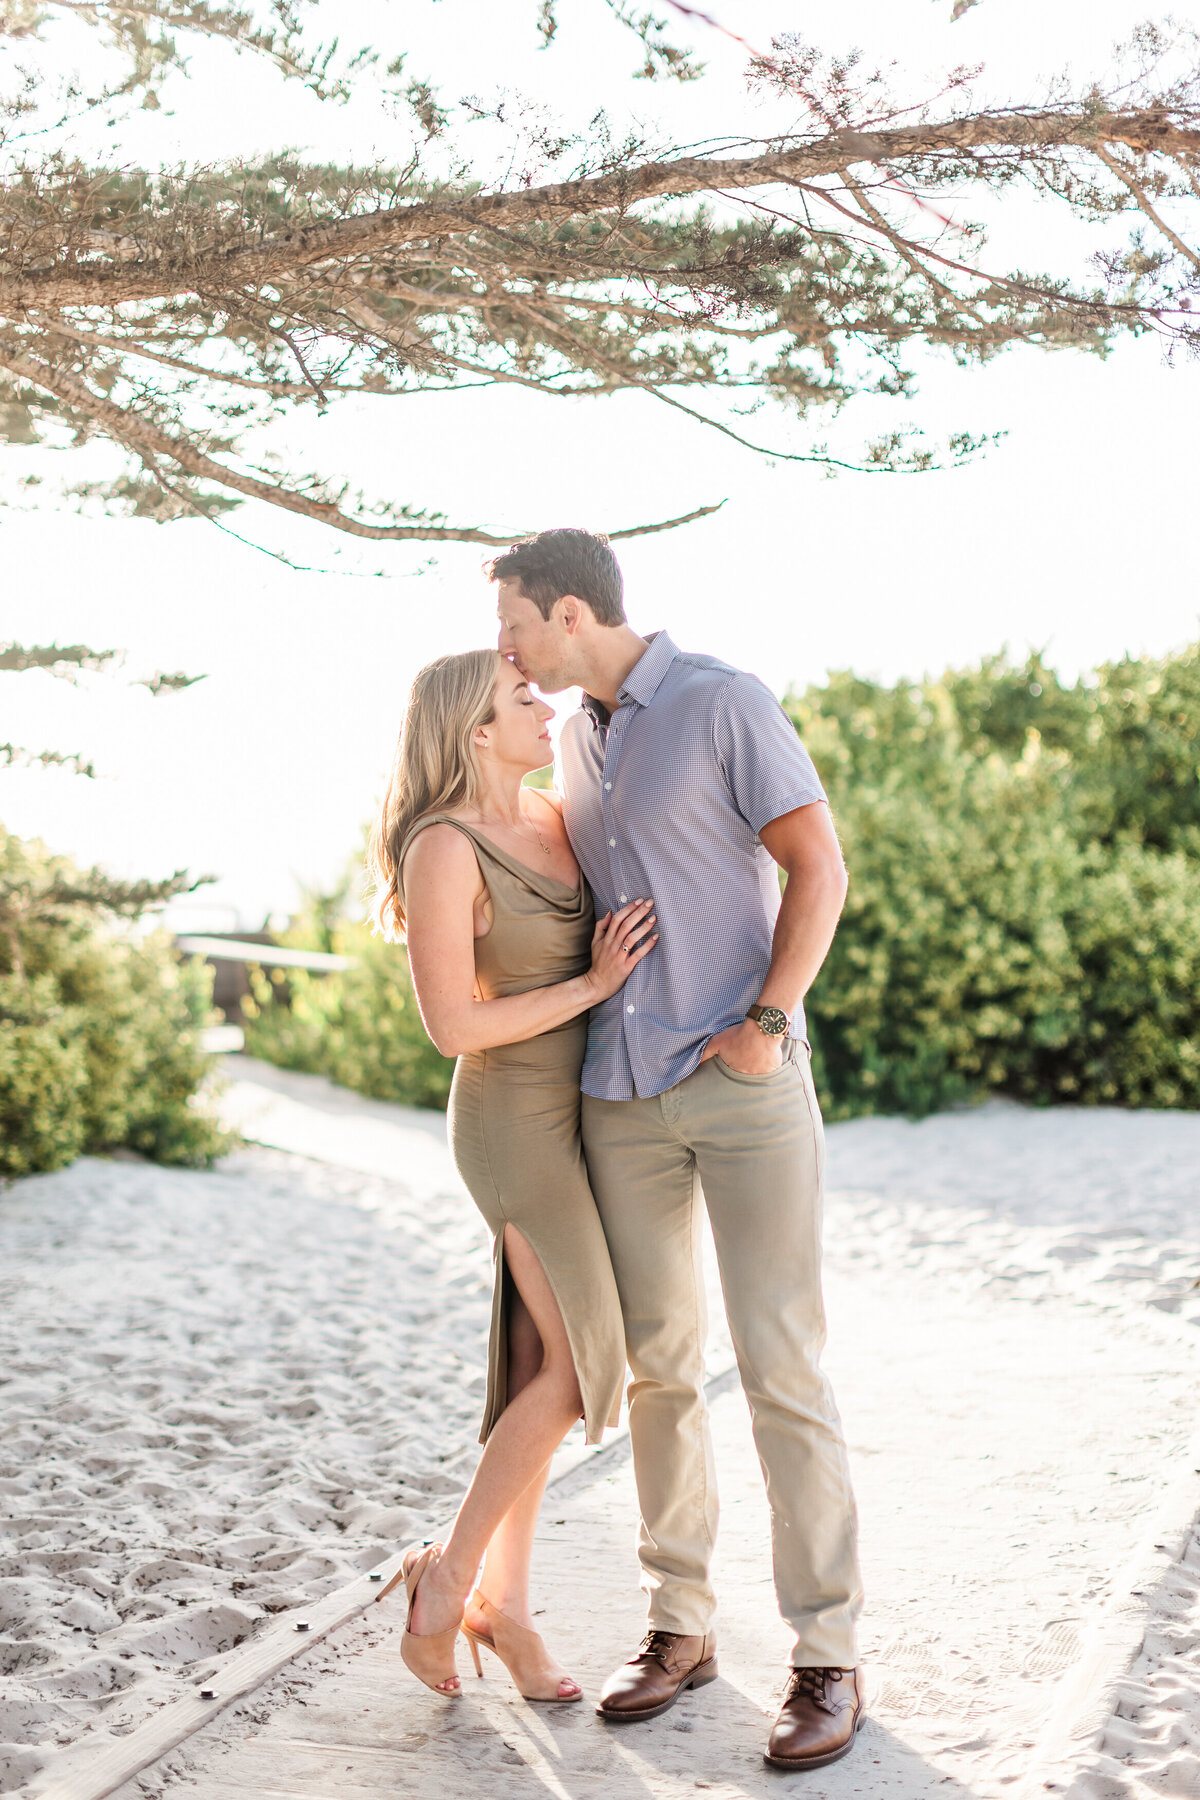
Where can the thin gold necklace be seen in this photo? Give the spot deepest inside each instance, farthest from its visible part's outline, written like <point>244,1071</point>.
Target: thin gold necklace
<point>543,846</point>
<point>537,834</point>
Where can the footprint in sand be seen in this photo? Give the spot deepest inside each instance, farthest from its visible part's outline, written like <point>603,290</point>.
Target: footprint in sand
<point>1056,1650</point>
<point>903,1674</point>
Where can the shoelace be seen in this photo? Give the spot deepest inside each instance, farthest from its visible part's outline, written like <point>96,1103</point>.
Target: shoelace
<point>656,1644</point>
<point>813,1684</point>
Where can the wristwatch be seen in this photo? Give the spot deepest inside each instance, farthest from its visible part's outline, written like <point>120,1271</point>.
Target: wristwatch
<point>772,1021</point>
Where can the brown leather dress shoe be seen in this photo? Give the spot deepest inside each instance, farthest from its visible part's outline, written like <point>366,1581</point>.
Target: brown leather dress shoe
<point>818,1721</point>
<point>653,1680</point>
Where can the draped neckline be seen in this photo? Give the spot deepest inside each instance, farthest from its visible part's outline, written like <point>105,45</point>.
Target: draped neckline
<point>536,879</point>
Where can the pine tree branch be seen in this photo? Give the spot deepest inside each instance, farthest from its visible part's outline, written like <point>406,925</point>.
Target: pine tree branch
<point>908,252</point>
<point>162,682</point>
<point>648,316</point>
<point>1146,205</point>
<point>632,531</point>
<point>916,254</point>
<point>149,441</point>
<point>65,660</point>
<point>236,27</point>
<point>13,756</point>
<point>250,265</point>
<point>278,390</point>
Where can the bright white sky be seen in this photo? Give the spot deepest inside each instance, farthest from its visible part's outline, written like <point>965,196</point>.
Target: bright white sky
<point>1076,535</point>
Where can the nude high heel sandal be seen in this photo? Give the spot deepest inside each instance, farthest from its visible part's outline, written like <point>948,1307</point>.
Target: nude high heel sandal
<point>521,1651</point>
<point>429,1655</point>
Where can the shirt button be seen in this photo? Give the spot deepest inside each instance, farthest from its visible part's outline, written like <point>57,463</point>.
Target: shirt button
<point>612,843</point>
<point>608,787</point>
<point>624,898</point>
<point>631,1009</point>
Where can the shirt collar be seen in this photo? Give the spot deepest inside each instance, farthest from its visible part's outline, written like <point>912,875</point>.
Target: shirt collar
<point>643,680</point>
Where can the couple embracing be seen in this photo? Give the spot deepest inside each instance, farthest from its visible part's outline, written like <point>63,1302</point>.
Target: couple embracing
<point>611,1070</point>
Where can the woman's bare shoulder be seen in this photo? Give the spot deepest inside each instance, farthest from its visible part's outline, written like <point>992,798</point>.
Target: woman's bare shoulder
<point>441,853</point>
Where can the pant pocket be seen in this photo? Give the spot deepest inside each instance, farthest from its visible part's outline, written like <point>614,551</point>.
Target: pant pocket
<point>744,1077</point>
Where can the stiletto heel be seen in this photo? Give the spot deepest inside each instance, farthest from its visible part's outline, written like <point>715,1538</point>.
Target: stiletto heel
<point>397,1578</point>
<point>426,1654</point>
<point>521,1651</point>
<point>476,1640</point>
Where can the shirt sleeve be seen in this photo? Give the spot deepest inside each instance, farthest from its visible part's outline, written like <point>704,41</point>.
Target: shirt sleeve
<point>766,767</point>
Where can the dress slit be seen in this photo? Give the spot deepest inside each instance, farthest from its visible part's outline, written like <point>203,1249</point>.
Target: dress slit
<point>504,1287</point>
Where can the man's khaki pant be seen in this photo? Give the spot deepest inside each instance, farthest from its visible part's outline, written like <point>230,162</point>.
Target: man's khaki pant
<point>754,1145</point>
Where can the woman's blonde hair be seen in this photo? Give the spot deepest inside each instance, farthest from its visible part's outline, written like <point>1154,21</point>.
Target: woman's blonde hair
<point>434,771</point>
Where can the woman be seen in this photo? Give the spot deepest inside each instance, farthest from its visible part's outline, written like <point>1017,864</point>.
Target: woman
<point>477,871</point>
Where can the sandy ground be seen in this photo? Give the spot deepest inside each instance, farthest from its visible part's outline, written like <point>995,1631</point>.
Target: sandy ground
<point>980,1583</point>
<point>225,1393</point>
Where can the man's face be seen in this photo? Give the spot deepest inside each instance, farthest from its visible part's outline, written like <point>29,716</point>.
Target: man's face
<point>539,647</point>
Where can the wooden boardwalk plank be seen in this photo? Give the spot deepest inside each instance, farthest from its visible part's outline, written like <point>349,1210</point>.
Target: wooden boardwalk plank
<point>956,1652</point>
<point>100,1771</point>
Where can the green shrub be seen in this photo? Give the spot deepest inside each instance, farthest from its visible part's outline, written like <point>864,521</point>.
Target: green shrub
<point>43,1077</point>
<point>1135,925</point>
<point>951,961</point>
<point>1024,909</point>
<point>99,1033</point>
<point>362,1028</point>
<point>1131,735</point>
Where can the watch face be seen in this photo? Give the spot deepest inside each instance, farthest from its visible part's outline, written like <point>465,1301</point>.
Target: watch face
<point>773,1021</point>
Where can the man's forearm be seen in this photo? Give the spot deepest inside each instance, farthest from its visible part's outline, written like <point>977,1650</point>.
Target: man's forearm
<point>808,915</point>
<point>804,844</point>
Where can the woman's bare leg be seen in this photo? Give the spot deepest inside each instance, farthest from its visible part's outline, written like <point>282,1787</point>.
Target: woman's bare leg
<point>517,1453</point>
<point>506,1562</point>
<point>505,1577</point>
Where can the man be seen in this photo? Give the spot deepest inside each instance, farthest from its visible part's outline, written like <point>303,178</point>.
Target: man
<point>685,782</point>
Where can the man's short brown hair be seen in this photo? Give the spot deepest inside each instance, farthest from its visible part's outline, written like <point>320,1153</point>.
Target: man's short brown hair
<point>553,563</point>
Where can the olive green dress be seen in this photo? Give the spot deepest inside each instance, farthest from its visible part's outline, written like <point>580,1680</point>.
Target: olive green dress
<point>514,1128</point>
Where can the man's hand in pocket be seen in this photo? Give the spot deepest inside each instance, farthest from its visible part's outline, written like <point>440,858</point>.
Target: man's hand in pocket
<point>747,1049</point>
